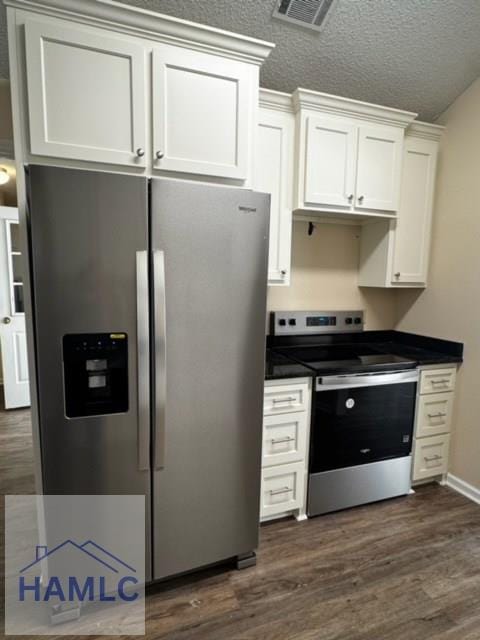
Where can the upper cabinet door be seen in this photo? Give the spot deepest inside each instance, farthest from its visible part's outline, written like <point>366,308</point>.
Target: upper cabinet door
<point>202,113</point>
<point>86,94</point>
<point>379,168</point>
<point>413,227</point>
<point>274,175</point>
<point>330,162</point>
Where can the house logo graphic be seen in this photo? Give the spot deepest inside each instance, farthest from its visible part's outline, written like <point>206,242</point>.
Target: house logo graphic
<point>77,573</point>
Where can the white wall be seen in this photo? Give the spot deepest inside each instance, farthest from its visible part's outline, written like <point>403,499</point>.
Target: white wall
<point>325,273</point>
<point>450,306</point>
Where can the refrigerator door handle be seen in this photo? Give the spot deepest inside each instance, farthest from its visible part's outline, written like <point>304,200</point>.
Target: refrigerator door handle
<point>143,362</point>
<point>160,358</point>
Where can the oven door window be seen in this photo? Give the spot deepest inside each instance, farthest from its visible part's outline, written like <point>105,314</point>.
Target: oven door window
<point>360,425</point>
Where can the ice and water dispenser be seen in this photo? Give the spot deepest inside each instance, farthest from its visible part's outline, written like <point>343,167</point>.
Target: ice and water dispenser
<point>95,367</point>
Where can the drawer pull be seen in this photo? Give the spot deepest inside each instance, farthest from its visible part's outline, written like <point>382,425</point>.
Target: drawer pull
<point>276,492</point>
<point>432,458</point>
<point>437,415</point>
<point>282,440</point>
<point>440,381</point>
<point>289,399</point>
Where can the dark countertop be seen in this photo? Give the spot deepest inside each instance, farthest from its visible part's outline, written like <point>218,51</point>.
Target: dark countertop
<point>423,350</point>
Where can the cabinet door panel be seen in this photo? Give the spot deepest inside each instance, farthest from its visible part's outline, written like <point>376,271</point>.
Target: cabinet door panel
<point>379,168</point>
<point>274,175</point>
<point>413,227</point>
<point>86,94</point>
<point>201,113</point>
<point>330,162</point>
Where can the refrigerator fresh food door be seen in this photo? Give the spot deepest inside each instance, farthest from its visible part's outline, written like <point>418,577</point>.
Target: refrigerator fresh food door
<point>210,249</point>
<point>89,259</point>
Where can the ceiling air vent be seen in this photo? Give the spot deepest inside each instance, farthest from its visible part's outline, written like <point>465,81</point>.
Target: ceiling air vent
<point>307,13</point>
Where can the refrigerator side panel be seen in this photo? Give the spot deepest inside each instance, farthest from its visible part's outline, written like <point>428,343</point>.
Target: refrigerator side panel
<point>210,248</point>
<point>88,234</point>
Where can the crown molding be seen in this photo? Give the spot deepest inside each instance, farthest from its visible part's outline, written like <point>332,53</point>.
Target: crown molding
<point>276,100</point>
<point>337,105</point>
<point>425,130</point>
<point>6,148</point>
<point>156,26</point>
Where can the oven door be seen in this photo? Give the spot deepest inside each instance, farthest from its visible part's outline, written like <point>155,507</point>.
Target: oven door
<point>362,418</point>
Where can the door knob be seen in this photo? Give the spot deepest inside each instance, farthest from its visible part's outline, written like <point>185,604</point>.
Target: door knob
<point>140,152</point>
<point>159,155</point>
<point>6,320</point>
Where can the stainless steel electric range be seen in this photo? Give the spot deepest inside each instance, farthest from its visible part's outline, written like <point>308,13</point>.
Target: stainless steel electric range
<point>363,408</point>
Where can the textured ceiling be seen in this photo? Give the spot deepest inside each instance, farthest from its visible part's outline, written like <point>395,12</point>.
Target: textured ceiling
<point>412,54</point>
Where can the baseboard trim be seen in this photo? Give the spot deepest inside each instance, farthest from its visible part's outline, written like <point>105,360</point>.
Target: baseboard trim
<point>466,489</point>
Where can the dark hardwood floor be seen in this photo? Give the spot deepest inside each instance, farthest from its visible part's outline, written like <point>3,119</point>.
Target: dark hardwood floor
<point>402,569</point>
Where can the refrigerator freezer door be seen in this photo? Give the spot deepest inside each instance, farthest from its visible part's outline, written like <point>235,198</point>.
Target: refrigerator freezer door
<point>210,357</point>
<point>91,285</point>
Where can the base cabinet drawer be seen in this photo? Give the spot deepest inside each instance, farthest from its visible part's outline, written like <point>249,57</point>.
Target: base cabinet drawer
<point>430,457</point>
<point>437,380</point>
<point>434,414</point>
<point>282,489</point>
<point>284,438</point>
<point>284,398</point>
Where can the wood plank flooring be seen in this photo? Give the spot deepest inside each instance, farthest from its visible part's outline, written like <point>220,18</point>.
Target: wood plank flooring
<point>402,569</point>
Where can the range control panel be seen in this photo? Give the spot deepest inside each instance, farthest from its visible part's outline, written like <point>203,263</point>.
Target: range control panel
<point>291,323</point>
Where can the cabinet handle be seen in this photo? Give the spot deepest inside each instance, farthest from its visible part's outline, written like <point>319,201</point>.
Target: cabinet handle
<point>275,492</point>
<point>159,155</point>
<point>289,399</point>
<point>432,458</point>
<point>282,440</point>
<point>360,199</point>
<point>350,197</point>
<point>440,381</point>
<point>437,415</point>
<point>140,152</point>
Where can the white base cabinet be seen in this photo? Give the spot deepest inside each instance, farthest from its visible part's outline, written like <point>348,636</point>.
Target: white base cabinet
<point>395,254</point>
<point>274,175</point>
<point>433,418</point>
<point>286,433</point>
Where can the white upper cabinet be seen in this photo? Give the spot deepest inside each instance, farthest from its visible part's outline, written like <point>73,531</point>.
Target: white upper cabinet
<point>274,175</point>
<point>133,90</point>
<point>379,168</point>
<point>331,150</point>
<point>348,154</point>
<point>86,94</point>
<point>395,254</point>
<point>202,113</point>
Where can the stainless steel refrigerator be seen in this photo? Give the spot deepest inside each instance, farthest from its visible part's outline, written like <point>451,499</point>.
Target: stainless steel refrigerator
<point>149,302</point>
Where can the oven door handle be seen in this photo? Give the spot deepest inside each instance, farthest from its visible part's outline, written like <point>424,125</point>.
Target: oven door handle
<point>328,383</point>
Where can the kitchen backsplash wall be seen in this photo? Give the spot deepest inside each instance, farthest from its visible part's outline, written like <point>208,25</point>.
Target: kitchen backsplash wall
<point>324,276</point>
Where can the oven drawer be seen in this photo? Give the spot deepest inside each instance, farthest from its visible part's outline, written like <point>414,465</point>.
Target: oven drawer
<point>284,398</point>
<point>284,438</point>
<point>282,489</point>
<point>434,414</point>
<point>437,380</point>
<point>430,457</point>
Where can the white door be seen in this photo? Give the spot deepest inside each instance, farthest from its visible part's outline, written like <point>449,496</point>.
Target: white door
<point>12,318</point>
<point>379,168</point>
<point>412,234</point>
<point>202,113</point>
<point>330,162</point>
<point>274,175</point>
<point>86,94</point>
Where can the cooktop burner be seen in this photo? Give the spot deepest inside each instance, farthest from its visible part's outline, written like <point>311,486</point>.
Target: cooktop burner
<point>345,358</point>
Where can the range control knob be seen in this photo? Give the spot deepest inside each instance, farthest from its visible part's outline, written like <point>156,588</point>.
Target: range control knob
<point>282,322</point>
<point>292,322</point>
<point>358,320</point>
<point>348,320</point>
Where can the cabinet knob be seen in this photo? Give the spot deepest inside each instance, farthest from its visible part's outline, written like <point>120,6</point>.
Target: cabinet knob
<point>360,199</point>
<point>6,320</point>
<point>398,274</point>
<point>283,272</point>
<point>140,152</point>
<point>159,155</point>
<point>350,197</point>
